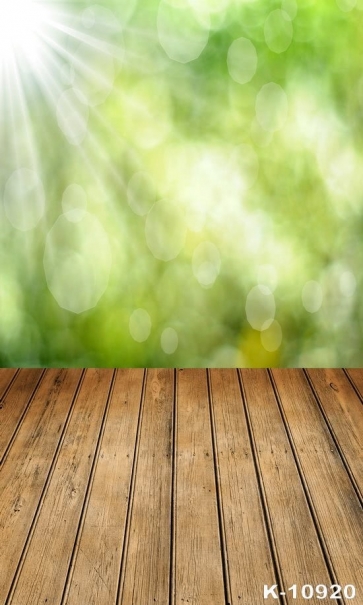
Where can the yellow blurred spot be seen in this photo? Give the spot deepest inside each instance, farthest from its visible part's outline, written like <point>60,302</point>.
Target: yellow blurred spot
<point>254,353</point>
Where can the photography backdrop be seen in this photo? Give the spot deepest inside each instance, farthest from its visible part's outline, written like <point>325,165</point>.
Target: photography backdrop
<point>181,183</point>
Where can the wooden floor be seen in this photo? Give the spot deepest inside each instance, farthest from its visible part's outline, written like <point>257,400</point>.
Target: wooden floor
<point>166,487</point>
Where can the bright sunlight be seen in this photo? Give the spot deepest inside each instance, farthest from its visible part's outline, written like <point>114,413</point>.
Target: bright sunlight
<point>21,24</point>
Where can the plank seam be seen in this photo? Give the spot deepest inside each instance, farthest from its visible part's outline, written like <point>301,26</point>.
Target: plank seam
<point>335,438</point>
<point>309,500</point>
<point>7,389</point>
<point>360,395</point>
<point>265,507</point>
<point>22,416</point>
<point>126,539</point>
<point>44,492</point>
<point>86,500</point>
<point>173,498</point>
<point>220,510</point>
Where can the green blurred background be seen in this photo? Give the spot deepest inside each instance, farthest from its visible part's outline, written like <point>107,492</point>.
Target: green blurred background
<point>181,185</point>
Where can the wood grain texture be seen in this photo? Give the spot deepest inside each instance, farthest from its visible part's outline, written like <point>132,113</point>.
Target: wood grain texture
<point>297,544</point>
<point>334,500</point>
<point>45,568</point>
<point>6,376</point>
<point>356,375</point>
<point>118,489</point>
<point>26,468</point>
<point>198,557</point>
<point>147,570</point>
<point>343,410</point>
<point>14,404</point>
<point>249,555</point>
<point>98,562</point>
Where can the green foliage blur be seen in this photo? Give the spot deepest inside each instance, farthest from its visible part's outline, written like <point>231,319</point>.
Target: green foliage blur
<point>185,214</point>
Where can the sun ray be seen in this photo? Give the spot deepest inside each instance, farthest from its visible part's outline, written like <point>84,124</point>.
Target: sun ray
<point>52,90</point>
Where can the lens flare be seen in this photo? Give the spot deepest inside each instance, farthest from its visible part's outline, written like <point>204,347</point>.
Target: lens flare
<point>21,24</point>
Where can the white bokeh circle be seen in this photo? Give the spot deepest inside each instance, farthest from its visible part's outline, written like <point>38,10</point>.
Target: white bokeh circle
<point>346,5</point>
<point>74,203</point>
<point>72,115</point>
<point>278,31</point>
<point>206,263</point>
<point>24,199</point>
<point>227,356</point>
<point>206,6</point>
<point>347,283</point>
<point>271,107</point>
<point>88,17</point>
<point>289,7</point>
<point>312,296</point>
<point>271,338</point>
<point>77,262</point>
<point>104,21</point>
<point>140,325</point>
<point>165,230</point>
<point>211,13</point>
<point>94,73</point>
<point>242,60</point>
<point>181,33</point>
<point>103,30</point>
<point>169,341</point>
<point>101,22</point>
<point>260,307</point>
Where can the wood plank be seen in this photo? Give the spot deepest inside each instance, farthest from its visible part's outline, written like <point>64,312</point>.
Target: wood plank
<point>14,404</point>
<point>97,566</point>
<point>297,544</point>
<point>6,376</point>
<point>356,375</point>
<point>25,470</point>
<point>146,576</point>
<point>198,560</point>
<point>344,412</point>
<point>249,556</point>
<point>82,521</point>
<point>334,499</point>
<point>44,571</point>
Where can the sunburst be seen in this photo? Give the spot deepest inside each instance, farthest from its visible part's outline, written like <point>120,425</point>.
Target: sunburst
<point>58,63</point>
<point>67,53</point>
<point>21,26</point>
